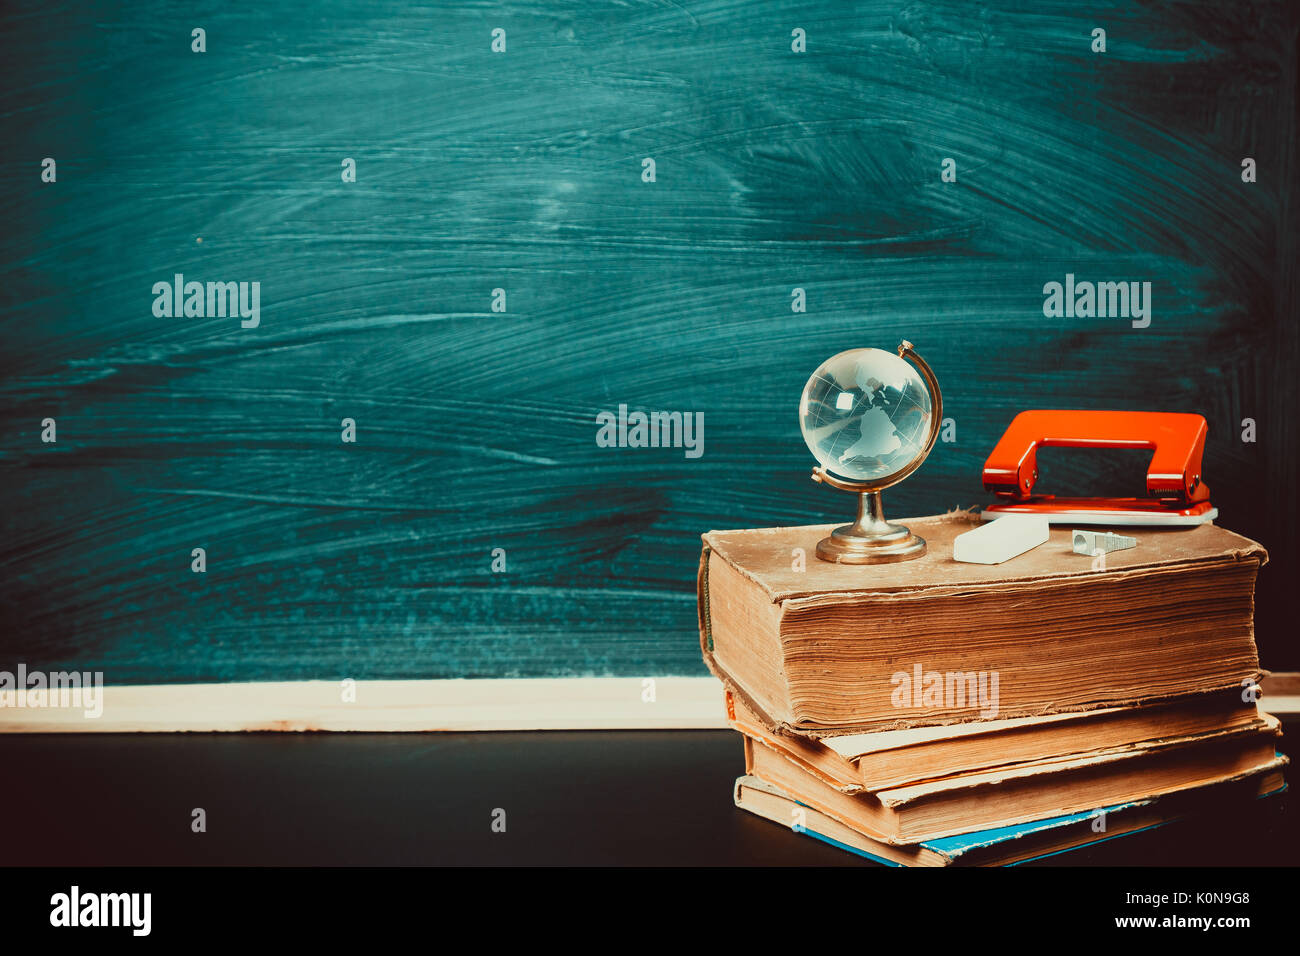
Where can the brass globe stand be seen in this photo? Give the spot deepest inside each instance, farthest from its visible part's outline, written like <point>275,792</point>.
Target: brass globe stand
<point>871,539</point>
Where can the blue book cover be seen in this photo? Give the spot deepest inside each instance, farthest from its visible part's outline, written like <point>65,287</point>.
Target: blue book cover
<point>1008,845</point>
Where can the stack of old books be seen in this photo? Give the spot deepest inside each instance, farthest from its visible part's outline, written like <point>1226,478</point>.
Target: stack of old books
<point>931,712</point>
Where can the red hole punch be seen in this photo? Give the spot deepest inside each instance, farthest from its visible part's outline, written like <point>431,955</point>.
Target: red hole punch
<point>1176,439</point>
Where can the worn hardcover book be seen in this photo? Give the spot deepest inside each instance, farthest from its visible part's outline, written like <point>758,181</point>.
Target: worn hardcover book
<point>1005,846</point>
<point>826,649</point>
<point>1021,793</point>
<point>864,763</point>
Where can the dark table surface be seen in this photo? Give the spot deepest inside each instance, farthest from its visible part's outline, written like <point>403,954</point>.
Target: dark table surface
<point>595,798</point>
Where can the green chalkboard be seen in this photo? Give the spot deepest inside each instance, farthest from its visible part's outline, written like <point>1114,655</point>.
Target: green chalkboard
<point>794,146</point>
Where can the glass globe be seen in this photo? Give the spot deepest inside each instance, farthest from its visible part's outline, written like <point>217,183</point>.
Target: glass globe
<point>865,414</point>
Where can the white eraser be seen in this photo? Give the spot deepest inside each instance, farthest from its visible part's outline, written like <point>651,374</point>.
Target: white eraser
<point>1000,540</point>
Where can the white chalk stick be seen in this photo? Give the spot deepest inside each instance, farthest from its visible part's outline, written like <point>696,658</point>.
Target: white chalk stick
<point>1000,540</point>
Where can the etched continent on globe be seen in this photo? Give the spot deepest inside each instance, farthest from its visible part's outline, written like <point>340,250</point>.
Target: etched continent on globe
<point>865,414</point>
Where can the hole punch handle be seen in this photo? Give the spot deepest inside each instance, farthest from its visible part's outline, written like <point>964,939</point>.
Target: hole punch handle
<point>1177,440</point>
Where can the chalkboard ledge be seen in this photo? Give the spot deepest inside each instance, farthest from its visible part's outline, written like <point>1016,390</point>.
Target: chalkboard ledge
<point>595,703</point>
<point>581,703</point>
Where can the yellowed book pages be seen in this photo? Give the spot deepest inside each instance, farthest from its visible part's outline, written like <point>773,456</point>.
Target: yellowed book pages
<point>872,762</point>
<point>979,801</point>
<point>1033,840</point>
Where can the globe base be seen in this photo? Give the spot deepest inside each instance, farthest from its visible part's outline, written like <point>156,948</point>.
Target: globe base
<point>870,539</point>
<point>846,546</point>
